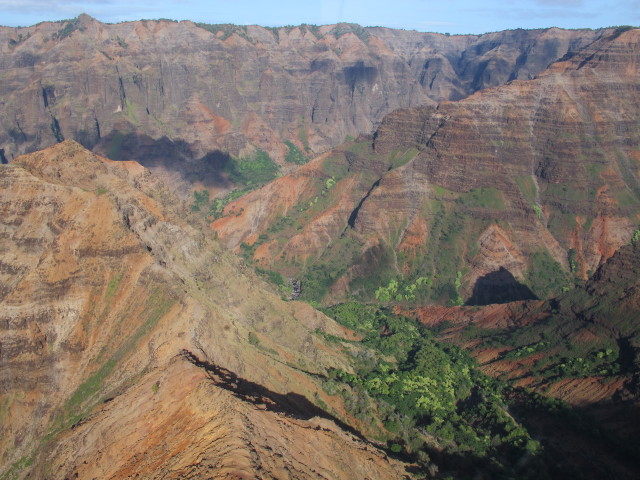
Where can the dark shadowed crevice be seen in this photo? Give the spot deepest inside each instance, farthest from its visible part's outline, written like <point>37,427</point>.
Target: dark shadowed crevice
<point>354,214</point>
<point>499,287</point>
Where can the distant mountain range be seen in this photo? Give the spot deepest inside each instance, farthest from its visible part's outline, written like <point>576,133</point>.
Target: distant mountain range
<point>176,95</point>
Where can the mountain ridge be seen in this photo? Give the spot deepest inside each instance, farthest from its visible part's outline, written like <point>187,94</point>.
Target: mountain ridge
<point>125,351</point>
<point>174,96</point>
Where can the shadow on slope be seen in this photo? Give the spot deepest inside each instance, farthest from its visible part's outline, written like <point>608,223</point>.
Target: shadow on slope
<point>165,154</point>
<point>291,404</point>
<point>499,286</point>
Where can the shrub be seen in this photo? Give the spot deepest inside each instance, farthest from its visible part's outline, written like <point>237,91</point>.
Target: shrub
<point>294,155</point>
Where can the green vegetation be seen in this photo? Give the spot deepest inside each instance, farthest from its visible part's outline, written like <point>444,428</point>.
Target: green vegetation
<point>560,346</point>
<point>294,155</point>
<point>430,401</point>
<point>400,158</point>
<point>131,112</point>
<point>253,339</point>
<point>562,358</point>
<point>397,292</point>
<point>489,198</point>
<point>635,238</point>
<point>527,187</point>
<point>626,199</point>
<point>200,200</point>
<point>567,194</point>
<point>537,210</point>
<point>457,301</point>
<point>14,471</point>
<point>317,278</point>
<point>546,277</point>
<point>304,137</point>
<point>275,278</point>
<point>445,253</point>
<point>561,225</point>
<point>225,30</point>
<point>430,396</point>
<point>216,207</point>
<point>85,396</point>
<point>330,183</point>
<point>359,148</point>
<point>440,265</point>
<point>620,30</point>
<point>21,38</point>
<point>344,28</point>
<point>113,285</point>
<point>70,26</point>
<point>253,171</point>
<point>573,260</point>
<point>593,169</point>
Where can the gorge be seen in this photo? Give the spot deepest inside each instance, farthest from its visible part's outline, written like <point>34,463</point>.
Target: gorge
<point>457,218</point>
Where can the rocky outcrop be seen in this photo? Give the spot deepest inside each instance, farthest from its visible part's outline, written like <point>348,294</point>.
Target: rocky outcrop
<point>167,93</point>
<point>536,177</point>
<point>132,344</point>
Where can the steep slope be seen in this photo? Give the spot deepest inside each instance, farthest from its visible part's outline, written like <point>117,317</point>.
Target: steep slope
<point>582,347</point>
<point>133,345</point>
<point>535,182</point>
<point>164,93</point>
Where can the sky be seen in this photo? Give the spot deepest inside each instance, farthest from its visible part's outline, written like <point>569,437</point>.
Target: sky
<point>444,16</point>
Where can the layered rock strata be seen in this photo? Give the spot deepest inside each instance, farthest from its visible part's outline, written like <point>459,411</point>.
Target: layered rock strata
<point>134,345</point>
<point>534,177</point>
<point>163,92</point>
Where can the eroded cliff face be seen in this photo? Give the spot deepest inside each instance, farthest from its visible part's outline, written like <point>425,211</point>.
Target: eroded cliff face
<point>534,182</point>
<point>166,93</point>
<point>132,344</point>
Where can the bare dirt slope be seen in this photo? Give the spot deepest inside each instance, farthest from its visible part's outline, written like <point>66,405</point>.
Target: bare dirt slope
<point>132,345</point>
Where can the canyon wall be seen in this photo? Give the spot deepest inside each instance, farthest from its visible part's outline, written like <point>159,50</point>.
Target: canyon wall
<point>539,178</point>
<point>167,93</point>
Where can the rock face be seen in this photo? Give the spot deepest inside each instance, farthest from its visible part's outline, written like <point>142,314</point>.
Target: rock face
<point>536,177</point>
<point>132,344</point>
<point>163,93</point>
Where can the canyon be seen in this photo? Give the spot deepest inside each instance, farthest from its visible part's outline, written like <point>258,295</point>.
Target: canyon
<point>560,347</point>
<point>318,252</point>
<point>528,186</point>
<point>124,352</point>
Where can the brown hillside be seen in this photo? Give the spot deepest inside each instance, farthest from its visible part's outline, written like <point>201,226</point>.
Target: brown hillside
<point>132,344</point>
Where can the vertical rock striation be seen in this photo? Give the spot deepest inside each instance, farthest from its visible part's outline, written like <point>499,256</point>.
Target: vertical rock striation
<point>162,92</point>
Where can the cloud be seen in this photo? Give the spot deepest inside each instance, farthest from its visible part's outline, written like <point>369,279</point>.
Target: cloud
<point>21,6</point>
<point>561,3</point>
<point>105,10</point>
